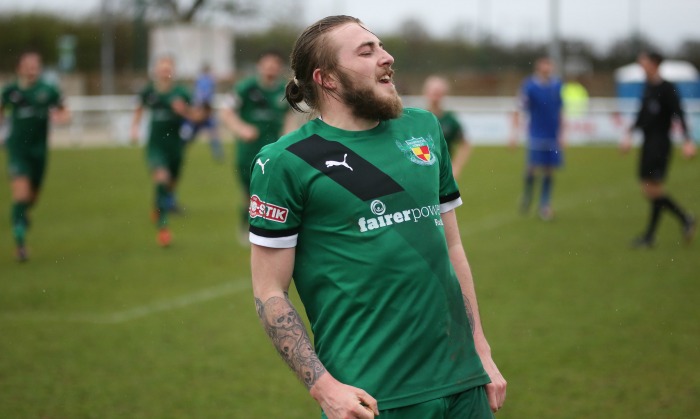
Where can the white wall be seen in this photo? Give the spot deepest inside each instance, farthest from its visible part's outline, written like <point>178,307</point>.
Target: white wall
<point>192,47</point>
<point>105,120</point>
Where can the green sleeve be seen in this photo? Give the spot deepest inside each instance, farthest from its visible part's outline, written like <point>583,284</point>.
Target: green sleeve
<point>448,186</point>
<point>277,196</point>
<point>4,98</point>
<point>184,94</point>
<point>240,88</point>
<point>141,98</point>
<point>459,131</point>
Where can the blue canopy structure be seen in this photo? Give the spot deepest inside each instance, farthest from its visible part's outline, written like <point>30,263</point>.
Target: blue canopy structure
<point>629,80</point>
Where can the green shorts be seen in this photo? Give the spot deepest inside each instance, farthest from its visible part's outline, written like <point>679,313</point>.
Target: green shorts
<point>28,163</point>
<point>469,404</point>
<point>171,160</point>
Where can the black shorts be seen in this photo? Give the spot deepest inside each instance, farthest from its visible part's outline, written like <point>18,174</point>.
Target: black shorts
<point>654,159</point>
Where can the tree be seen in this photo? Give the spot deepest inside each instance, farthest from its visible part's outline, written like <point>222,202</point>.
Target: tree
<point>690,50</point>
<point>413,30</point>
<point>187,11</point>
<point>40,32</point>
<point>625,50</point>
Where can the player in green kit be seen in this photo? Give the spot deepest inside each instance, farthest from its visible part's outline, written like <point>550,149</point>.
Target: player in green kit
<point>434,89</point>
<point>357,206</point>
<point>30,104</point>
<point>168,103</point>
<point>257,116</point>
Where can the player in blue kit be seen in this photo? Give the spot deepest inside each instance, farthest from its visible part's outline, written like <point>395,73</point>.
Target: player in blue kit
<point>203,101</point>
<point>540,99</point>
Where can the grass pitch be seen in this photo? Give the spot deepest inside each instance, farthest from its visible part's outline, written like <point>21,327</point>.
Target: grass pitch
<point>101,323</point>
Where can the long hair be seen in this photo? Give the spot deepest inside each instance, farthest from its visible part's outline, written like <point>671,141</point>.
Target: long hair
<point>311,51</point>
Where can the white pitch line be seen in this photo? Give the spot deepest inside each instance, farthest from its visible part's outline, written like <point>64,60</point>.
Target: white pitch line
<point>206,294</point>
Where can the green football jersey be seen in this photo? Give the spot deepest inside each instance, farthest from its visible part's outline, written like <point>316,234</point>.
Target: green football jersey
<point>264,108</point>
<point>29,113</point>
<point>451,129</point>
<point>165,123</point>
<point>362,210</point>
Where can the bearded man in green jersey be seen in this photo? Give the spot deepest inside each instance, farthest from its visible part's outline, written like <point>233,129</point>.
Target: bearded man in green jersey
<point>257,115</point>
<point>357,206</point>
<point>169,106</point>
<point>30,103</point>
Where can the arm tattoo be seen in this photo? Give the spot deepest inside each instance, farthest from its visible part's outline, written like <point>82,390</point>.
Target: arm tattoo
<point>283,325</point>
<point>470,314</point>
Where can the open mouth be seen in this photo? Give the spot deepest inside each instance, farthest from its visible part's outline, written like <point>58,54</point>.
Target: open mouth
<point>386,79</point>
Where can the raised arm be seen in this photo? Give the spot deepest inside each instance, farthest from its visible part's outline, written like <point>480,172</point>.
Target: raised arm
<point>496,390</point>
<point>272,275</point>
<point>61,114</point>
<point>229,116</point>
<point>180,107</point>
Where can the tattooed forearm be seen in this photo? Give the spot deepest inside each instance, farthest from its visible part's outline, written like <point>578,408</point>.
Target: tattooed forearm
<point>283,325</point>
<point>470,313</point>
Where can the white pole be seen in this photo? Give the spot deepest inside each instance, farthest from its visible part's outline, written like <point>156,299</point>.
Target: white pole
<point>107,49</point>
<point>484,18</point>
<point>554,43</point>
<point>635,34</point>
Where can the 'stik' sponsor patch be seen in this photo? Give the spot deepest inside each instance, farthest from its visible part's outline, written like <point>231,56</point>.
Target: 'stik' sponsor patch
<point>266,210</point>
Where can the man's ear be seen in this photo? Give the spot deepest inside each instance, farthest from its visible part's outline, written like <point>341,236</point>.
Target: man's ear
<point>326,81</point>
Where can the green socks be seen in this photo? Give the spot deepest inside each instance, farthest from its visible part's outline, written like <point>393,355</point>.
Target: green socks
<point>19,221</point>
<point>162,204</point>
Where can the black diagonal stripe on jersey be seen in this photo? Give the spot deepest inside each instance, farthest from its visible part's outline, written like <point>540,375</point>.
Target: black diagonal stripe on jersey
<point>365,180</point>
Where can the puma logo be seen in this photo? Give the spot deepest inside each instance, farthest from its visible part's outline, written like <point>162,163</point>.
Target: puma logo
<point>331,163</point>
<point>262,165</point>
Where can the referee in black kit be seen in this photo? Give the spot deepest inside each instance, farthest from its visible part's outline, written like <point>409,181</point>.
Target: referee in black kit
<point>660,104</point>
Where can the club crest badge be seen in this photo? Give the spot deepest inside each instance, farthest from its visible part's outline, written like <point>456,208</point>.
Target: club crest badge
<point>418,150</point>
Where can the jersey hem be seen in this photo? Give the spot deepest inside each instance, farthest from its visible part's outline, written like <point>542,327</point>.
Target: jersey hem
<point>433,394</point>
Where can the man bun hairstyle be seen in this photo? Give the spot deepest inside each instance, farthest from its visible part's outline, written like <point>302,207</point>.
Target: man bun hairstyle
<point>311,51</point>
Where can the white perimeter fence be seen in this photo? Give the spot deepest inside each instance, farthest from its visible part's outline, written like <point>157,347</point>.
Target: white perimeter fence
<point>106,120</point>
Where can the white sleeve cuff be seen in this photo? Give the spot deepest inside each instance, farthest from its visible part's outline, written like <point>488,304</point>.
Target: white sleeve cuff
<point>274,242</point>
<point>449,206</point>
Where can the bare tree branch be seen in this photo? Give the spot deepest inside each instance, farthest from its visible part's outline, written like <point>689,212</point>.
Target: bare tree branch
<point>189,14</point>
<point>175,10</point>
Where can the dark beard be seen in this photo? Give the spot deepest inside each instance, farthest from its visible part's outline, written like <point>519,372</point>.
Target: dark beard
<point>365,104</point>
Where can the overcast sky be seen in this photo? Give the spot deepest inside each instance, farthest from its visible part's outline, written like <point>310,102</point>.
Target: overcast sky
<point>668,22</point>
